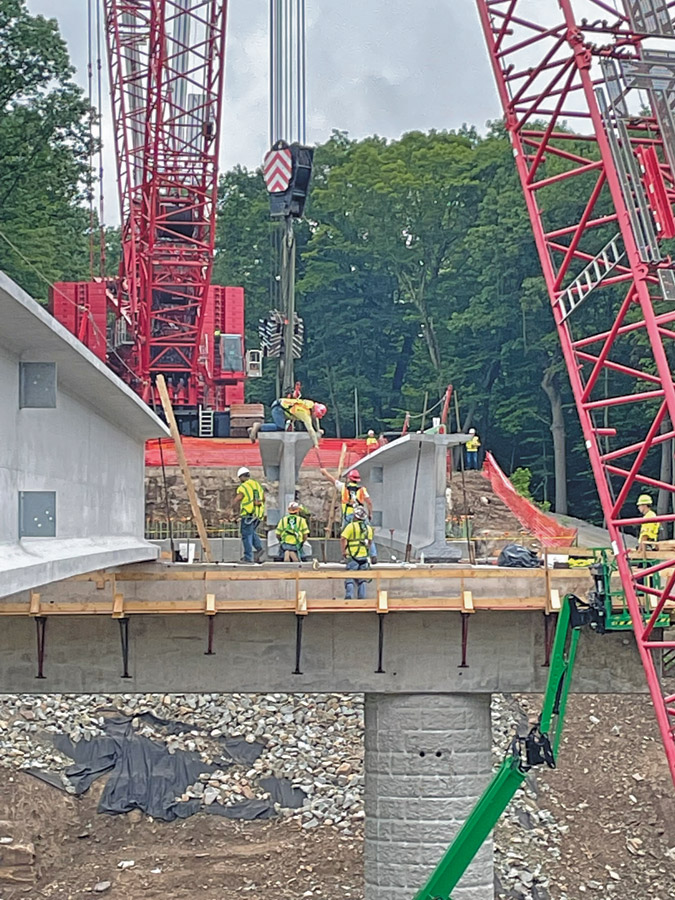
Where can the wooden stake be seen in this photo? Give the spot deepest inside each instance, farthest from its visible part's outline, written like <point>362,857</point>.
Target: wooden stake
<point>331,511</point>
<point>185,469</point>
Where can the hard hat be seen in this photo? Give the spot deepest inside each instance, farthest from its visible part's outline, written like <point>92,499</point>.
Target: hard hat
<point>371,433</point>
<point>320,410</point>
<point>644,500</point>
<point>293,506</point>
<point>472,430</point>
<point>354,475</point>
<point>243,471</point>
<point>360,513</point>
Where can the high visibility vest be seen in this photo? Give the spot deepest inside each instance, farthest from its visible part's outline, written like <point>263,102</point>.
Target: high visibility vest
<point>649,531</point>
<point>473,443</point>
<point>352,496</point>
<point>292,530</point>
<point>358,536</point>
<point>292,406</point>
<point>371,442</point>
<point>252,499</point>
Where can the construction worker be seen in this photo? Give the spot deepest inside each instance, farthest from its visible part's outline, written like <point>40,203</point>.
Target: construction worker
<point>251,498</point>
<point>293,409</point>
<point>649,531</point>
<point>371,442</point>
<point>472,446</point>
<point>355,542</point>
<point>353,494</point>
<point>292,532</point>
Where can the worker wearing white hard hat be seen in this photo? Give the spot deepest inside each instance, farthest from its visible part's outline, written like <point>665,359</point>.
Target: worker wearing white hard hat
<point>472,447</point>
<point>249,505</point>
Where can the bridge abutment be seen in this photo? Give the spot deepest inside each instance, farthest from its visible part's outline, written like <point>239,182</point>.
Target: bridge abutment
<point>427,761</point>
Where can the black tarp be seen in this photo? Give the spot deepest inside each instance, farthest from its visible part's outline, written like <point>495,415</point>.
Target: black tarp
<point>514,556</point>
<point>144,775</point>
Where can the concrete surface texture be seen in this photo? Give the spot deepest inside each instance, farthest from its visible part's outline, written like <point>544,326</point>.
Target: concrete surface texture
<point>88,450</point>
<point>406,480</point>
<point>427,762</point>
<point>256,652</point>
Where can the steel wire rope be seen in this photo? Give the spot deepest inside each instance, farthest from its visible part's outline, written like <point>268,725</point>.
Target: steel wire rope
<point>90,97</point>
<point>99,91</point>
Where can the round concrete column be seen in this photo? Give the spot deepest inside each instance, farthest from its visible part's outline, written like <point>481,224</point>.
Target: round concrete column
<point>427,762</point>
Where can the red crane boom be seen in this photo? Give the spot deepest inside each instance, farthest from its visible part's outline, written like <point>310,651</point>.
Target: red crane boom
<point>166,65</point>
<point>610,283</point>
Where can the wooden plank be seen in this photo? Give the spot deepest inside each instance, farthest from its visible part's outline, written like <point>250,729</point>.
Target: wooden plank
<point>467,602</point>
<point>333,498</point>
<point>382,602</point>
<point>301,604</point>
<point>553,604</point>
<point>210,609</point>
<point>34,609</point>
<point>185,469</point>
<point>118,606</point>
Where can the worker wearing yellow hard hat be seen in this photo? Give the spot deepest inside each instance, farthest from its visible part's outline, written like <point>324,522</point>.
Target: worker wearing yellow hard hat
<point>649,530</point>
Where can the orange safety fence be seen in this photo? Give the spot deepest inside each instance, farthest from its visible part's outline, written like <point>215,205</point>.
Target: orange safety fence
<point>547,529</point>
<point>231,453</point>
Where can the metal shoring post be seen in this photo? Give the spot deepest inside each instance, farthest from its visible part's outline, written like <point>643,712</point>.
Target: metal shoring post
<point>124,638</point>
<point>209,641</point>
<point>40,625</point>
<point>549,634</point>
<point>298,644</point>
<point>380,644</point>
<point>465,639</point>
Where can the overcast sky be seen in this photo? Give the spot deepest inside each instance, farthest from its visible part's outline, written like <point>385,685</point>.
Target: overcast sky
<point>373,67</point>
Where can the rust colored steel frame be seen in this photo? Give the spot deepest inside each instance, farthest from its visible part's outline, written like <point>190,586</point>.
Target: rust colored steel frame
<point>166,61</point>
<point>547,72</point>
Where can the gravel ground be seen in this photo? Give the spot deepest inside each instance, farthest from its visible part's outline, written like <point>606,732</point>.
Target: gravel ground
<point>601,825</point>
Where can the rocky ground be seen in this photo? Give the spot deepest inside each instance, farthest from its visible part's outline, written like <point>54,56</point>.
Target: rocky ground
<point>601,825</point>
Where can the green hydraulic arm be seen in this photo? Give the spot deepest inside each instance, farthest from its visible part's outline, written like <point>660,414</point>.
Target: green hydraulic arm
<point>538,747</point>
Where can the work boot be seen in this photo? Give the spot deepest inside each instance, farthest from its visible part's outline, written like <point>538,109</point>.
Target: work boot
<point>373,560</point>
<point>259,554</point>
<point>253,431</point>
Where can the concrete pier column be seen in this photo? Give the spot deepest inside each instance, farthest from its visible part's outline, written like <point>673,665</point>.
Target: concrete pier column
<point>427,762</point>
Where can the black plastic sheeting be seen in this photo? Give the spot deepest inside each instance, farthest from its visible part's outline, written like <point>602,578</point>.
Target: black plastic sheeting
<point>144,775</point>
<point>514,556</point>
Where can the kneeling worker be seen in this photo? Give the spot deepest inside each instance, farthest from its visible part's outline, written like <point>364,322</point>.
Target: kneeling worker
<point>355,542</point>
<point>293,409</point>
<point>292,532</point>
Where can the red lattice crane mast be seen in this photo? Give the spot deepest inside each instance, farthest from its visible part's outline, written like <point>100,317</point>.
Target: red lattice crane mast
<point>573,93</point>
<point>166,66</point>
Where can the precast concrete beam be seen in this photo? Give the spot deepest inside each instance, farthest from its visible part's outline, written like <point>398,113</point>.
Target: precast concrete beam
<point>427,762</point>
<point>282,454</point>
<point>406,480</point>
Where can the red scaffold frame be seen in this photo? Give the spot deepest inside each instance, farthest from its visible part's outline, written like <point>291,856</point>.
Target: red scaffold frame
<point>166,62</point>
<point>553,85</point>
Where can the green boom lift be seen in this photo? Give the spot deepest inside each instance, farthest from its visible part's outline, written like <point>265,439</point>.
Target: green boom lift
<point>604,610</point>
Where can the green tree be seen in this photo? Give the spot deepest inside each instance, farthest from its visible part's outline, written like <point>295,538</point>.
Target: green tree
<point>44,153</point>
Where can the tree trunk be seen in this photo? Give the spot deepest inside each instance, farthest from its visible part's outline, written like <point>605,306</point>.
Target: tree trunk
<point>550,387</point>
<point>333,403</point>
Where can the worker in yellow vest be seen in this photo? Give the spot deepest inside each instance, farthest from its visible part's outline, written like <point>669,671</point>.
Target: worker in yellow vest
<point>292,532</point>
<point>353,494</point>
<point>649,530</point>
<point>371,442</point>
<point>472,446</point>
<point>293,409</point>
<point>355,542</point>
<point>251,498</point>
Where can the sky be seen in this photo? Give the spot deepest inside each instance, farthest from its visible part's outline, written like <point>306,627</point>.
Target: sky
<point>373,67</point>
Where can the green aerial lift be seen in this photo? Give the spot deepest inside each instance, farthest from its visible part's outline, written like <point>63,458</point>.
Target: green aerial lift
<point>604,610</point>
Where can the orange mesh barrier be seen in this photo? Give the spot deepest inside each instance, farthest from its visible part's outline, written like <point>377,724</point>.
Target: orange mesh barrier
<point>550,532</point>
<point>231,453</point>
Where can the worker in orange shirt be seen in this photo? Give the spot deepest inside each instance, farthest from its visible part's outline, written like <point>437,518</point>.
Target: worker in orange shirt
<point>293,409</point>
<point>353,495</point>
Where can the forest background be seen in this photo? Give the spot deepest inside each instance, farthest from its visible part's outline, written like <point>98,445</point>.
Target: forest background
<point>416,267</point>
